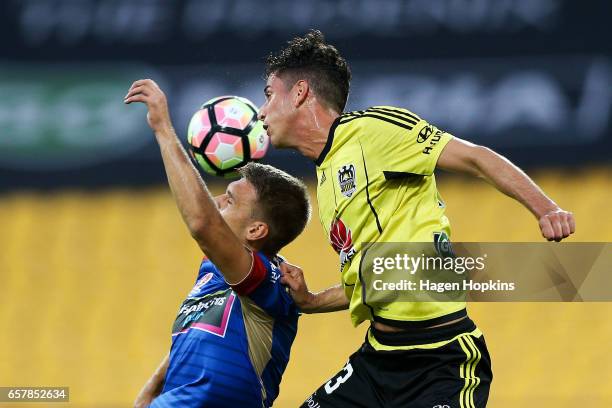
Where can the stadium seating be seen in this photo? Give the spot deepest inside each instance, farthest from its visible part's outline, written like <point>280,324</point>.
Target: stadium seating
<point>90,283</point>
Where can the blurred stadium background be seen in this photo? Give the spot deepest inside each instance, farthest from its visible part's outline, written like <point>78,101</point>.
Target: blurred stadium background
<point>95,261</point>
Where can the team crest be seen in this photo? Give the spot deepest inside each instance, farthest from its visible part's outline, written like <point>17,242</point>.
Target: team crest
<point>347,180</point>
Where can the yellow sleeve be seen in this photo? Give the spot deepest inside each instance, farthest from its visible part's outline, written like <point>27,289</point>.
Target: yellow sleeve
<point>403,146</point>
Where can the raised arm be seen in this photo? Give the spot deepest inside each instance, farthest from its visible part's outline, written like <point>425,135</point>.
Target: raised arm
<point>195,203</point>
<point>328,300</point>
<point>154,386</point>
<point>465,157</point>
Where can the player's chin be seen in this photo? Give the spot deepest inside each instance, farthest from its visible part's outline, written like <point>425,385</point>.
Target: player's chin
<point>279,140</point>
<point>274,139</point>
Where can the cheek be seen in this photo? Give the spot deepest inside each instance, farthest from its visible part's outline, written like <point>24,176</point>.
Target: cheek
<point>228,213</point>
<point>281,114</point>
<point>229,218</point>
<point>278,107</point>
<point>284,106</point>
<point>233,217</point>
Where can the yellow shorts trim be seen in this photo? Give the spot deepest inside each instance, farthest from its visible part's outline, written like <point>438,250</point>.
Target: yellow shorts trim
<point>467,371</point>
<point>383,347</point>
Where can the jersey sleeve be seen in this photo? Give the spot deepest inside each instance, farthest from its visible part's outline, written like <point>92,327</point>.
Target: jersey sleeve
<point>262,285</point>
<point>404,142</point>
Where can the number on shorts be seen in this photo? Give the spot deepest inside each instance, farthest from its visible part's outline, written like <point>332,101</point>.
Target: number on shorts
<point>333,384</point>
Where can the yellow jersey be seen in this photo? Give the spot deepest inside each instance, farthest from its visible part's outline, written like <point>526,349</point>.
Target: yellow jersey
<point>376,184</point>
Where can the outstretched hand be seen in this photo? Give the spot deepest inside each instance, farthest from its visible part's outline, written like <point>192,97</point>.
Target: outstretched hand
<point>148,92</point>
<point>557,224</point>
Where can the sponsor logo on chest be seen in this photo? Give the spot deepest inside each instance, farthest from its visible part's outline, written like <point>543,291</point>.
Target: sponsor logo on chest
<point>209,313</point>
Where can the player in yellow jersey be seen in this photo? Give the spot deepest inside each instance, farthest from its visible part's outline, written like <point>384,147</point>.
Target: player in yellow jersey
<point>376,183</point>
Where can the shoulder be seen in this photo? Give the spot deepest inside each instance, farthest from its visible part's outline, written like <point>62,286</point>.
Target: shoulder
<point>380,116</point>
<point>271,264</point>
<point>207,266</point>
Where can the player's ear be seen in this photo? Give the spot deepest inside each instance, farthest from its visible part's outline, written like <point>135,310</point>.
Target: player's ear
<point>257,230</point>
<point>300,92</point>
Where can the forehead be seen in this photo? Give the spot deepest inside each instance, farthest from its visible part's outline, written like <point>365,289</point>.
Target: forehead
<point>242,189</point>
<point>274,81</point>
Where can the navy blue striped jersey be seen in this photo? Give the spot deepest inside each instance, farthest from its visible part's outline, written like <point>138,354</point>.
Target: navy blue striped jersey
<point>230,344</point>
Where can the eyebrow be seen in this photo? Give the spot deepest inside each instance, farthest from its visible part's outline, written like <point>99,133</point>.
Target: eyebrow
<point>229,193</point>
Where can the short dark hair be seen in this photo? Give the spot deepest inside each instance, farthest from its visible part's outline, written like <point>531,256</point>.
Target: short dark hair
<point>311,58</point>
<point>282,202</point>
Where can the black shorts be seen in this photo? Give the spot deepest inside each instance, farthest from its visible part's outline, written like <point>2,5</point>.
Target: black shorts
<point>456,374</point>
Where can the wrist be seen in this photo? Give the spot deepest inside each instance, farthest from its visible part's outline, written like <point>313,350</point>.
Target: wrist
<point>164,131</point>
<point>547,208</point>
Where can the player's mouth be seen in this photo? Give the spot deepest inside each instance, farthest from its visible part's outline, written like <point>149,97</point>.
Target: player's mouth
<point>267,128</point>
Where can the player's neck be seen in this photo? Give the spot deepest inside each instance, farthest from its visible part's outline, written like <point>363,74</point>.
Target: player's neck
<point>313,131</point>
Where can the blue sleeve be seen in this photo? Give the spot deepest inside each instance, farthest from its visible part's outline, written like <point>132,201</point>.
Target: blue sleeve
<point>270,294</point>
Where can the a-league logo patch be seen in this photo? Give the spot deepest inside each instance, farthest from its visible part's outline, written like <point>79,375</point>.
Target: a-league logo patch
<point>201,282</point>
<point>443,245</point>
<point>347,180</point>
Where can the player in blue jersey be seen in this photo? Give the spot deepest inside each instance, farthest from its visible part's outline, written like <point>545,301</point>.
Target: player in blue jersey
<point>232,335</point>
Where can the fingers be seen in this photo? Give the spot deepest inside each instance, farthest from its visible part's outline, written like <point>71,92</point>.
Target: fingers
<point>293,282</point>
<point>287,280</point>
<point>146,87</point>
<point>292,276</point>
<point>141,82</point>
<point>557,225</point>
<point>572,223</point>
<point>287,268</point>
<point>147,92</point>
<point>565,227</point>
<point>135,90</point>
<point>289,272</point>
<point>557,229</point>
<point>136,98</point>
<point>546,228</point>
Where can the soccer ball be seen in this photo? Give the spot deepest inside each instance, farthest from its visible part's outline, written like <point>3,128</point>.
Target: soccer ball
<point>225,135</point>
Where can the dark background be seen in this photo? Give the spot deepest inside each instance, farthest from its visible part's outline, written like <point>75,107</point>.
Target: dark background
<point>531,79</point>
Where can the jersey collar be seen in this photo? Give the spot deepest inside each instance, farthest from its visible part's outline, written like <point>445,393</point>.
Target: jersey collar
<point>330,140</point>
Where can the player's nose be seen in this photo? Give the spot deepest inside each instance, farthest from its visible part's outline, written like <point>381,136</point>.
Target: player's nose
<point>261,115</point>
<point>219,200</point>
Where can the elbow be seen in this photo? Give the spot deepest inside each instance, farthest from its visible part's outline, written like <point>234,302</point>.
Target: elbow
<point>198,228</point>
<point>205,229</point>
